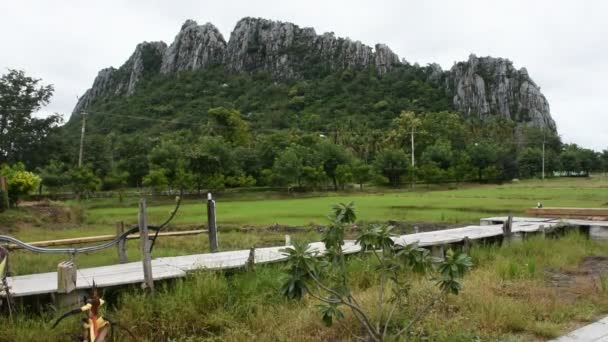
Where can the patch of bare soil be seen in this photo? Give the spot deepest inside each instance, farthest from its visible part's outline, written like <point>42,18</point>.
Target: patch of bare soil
<point>47,212</point>
<point>586,279</point>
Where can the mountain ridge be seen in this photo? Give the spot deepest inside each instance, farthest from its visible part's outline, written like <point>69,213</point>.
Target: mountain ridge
<point>480,86</point>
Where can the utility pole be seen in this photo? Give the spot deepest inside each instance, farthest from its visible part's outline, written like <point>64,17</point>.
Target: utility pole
<point>84,120</point>
<point>412,132</point>
<point>543,177</point>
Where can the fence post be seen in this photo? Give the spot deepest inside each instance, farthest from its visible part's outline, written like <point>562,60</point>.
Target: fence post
<point>211,224</point>
<point>466,245</point>
<point>438,252</point>
<point>66,277</point>
<point>67,295</point>
<point>145,246</point>
<point>507,227</point>
<point>287,240</point>
<point>251,259</point>
<point>122,244</point>
<point>4,203</point>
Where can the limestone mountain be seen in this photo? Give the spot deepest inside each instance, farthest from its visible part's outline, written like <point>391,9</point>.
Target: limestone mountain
<point>483,87</point>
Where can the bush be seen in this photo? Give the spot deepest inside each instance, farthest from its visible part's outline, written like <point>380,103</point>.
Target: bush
<point>20,181</point>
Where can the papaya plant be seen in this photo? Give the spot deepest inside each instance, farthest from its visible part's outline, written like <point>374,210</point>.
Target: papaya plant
<point>323,276</point>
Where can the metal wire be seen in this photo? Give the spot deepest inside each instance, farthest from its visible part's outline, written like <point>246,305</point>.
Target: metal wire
<point>76,250</point>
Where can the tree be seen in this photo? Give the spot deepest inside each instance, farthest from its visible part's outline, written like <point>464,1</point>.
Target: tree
<point>431,172</point>
<point>116,180</point>
<point>230,125</point>
<point>210,159</point>
<point>604,160</point>
<point>570,159</point>
<point>325,277</point>
<point>83,181</point>
<point>439,153</point>
<point>332,156</point>
<point>156,179</point>
<point>23,137</point>
<point>20,181</point>
<point>392,164</point>
<point>131,153</point>
<point>529,162</point>
<point>55,175</point>
<point>482,155</point>
<point>362,173</point>
<point>344,175</point>
<point>287,168</point>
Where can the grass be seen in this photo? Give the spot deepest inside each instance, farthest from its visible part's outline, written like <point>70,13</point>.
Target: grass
<point>460,206</point>
<point>463,205</point>
<point>496,304</point>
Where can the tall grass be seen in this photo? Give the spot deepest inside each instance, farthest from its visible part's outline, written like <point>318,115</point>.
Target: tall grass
<point>503,298</point>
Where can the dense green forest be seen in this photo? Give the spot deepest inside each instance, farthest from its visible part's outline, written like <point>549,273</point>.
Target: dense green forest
<point>208,129</point>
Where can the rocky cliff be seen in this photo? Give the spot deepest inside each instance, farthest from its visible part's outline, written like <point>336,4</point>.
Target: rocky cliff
<point>485,86</point>
<point>146,59</point>
<point>480,86</point>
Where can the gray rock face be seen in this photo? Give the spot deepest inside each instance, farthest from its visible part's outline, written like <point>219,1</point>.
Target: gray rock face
<point>101,85</point>
<point>485,86</point>
<point>288,51</point>
<point>194,47</point>
<point>147,58</point>
<point>480,86</point>
<point>385,59</point>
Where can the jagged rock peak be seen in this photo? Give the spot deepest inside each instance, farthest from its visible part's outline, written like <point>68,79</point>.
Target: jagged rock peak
<point>287,51</point>
<point>195,46</point>
<point>147,58</point>
<point>486,86</point>
<point>385,58</point>
<point>101,85</point>
<point>261,44</point>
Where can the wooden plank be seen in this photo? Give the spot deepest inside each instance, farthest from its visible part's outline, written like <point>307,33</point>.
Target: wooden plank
<point>100,238</point>
<point>178,266</point>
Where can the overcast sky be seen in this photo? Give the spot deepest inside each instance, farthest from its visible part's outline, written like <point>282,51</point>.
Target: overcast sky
<point>561,43</point>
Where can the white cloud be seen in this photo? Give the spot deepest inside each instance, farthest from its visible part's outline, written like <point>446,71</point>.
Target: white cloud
<point>561,43</point>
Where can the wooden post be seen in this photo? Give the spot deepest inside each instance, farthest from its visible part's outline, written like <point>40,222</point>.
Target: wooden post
<point>122,244</point>
<point>251,259</point>
<point>506,228</point>
<point>211,224</point>
<point>287,240</point>
<point>438,252</point>
<point>466,245</point>
<point>4,203</point>
<point>66,277</point>
<point>542,231</point>
<point>145,246</point>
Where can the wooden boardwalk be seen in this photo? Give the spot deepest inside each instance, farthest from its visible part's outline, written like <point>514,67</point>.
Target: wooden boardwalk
<point>179,266</point>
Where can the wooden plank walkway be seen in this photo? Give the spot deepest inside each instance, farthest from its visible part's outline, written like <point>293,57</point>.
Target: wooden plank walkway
<point>179,266</point>
<point>594,332</point>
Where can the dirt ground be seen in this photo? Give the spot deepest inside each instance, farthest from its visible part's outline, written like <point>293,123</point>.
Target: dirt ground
<point>591,276</point>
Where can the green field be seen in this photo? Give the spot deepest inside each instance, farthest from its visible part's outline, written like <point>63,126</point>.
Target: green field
<point>507,297</point>
<point>244,219</point>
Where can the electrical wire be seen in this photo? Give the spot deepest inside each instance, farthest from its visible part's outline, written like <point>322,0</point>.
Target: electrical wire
<point>74,251</point>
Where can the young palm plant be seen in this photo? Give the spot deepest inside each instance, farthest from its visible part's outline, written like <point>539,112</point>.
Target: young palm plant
<point>324,276</point>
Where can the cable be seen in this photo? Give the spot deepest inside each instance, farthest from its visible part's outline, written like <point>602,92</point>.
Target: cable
<point>179,200</point>
<point>74,251</point>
